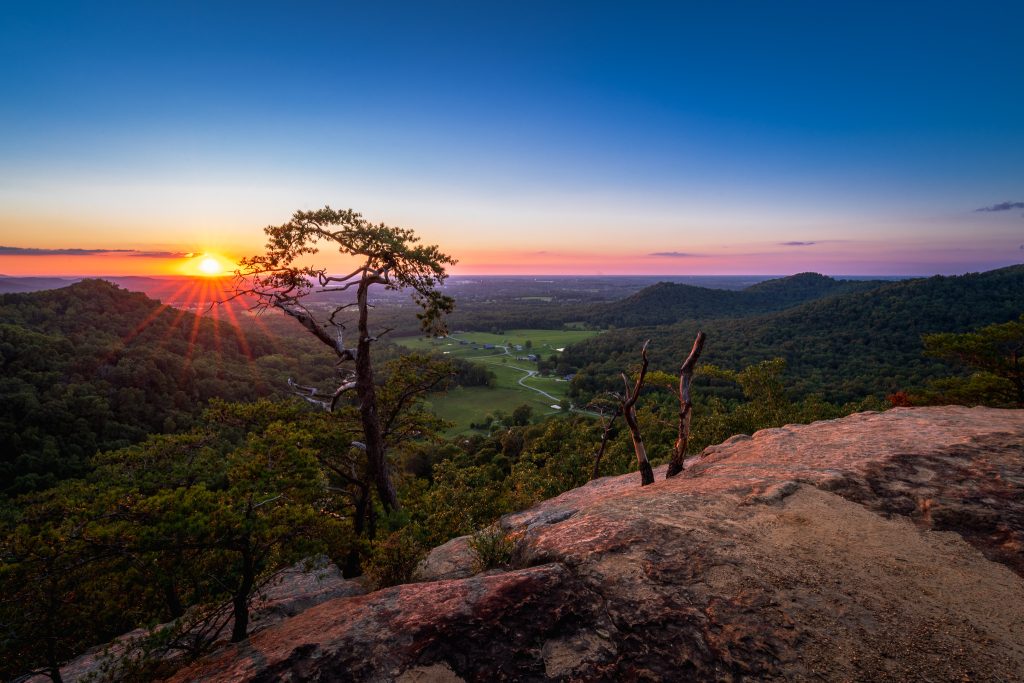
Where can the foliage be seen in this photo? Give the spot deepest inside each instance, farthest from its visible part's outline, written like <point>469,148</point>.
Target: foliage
<point>52,599</point>
<point>492,548</point>
<point>190,519</point>
<point>842,348</point>
<point>468,374</point>
<point>183,526</point>
<point>667,302</point>
<point>390,256</point>
<point>460,500</point>
<point>393,561</point>
<point>995,352</point>
<point>387,256</point>
<point>521,415</point>
<point>92,367</point>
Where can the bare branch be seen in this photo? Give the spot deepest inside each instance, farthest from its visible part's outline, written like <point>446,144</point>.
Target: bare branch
<point>628,408</point>
<point>685,406</point>
<point>317,397</point>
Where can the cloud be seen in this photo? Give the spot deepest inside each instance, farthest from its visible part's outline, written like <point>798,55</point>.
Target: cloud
<point>1003,206</point>
<point>796,244</point>
<point>29,251</point>
<point>676,254</point>
<point>157,254</point>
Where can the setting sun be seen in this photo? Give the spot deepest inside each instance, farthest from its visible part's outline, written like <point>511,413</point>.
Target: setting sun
<point>207,265</point>
<point>210,266</point>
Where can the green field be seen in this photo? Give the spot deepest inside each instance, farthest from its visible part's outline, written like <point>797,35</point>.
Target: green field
<point>514,385</point>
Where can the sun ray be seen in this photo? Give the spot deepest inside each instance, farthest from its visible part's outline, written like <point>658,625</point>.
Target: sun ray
<point>183,308</point>
<point>243,342</point>
<point>214,315</point>
<point>272,337</point>
<point>229,310</point>
<point>155,314</point>
<point>204,288</point>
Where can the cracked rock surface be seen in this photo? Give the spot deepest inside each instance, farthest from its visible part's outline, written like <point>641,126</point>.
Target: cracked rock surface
<point>877,547</point>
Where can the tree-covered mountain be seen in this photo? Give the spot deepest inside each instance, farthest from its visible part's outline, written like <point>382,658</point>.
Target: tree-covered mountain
<point>657,304</point>
<point>93,367</point>
<point>669,302</point>
<point>844,347</point>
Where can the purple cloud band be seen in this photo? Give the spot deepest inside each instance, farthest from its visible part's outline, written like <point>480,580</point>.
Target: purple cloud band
<point>29,251</point>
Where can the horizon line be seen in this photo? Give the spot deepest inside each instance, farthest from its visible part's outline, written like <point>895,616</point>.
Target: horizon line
<point>172,276</point>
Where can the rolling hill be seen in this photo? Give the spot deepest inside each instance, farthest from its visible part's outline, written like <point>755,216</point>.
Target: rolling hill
<point>92,367</point>
<point>668,302</point>
<point>843,347</point>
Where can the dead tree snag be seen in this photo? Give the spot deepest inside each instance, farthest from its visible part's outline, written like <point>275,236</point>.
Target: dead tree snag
<point>685,406</point>
<point>629,413</point>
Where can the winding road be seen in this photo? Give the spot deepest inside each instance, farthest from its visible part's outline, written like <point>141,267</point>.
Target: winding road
<point>528,375</point>
<point>522,380</point>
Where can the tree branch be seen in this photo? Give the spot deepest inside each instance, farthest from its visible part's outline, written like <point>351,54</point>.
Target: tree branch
<point>629,413</point>
<point>685,406</point>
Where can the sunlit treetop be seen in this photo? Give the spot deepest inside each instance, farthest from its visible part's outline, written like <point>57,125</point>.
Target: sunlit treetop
<point>390,256</point>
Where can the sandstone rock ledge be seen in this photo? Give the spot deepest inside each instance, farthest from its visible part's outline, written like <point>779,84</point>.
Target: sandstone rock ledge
<point>879,547</point>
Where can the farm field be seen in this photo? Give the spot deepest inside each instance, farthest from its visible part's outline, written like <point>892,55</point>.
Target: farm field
<point>514,385</point>
<point>544,342</point>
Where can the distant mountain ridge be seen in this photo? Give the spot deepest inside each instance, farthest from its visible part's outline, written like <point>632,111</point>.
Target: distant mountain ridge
<point>667,302</point>
<point>843,347</point>
<point>14,285</point>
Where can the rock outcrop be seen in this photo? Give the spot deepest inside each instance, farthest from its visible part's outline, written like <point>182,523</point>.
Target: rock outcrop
<point>289,593</point>
<point>878,547</point>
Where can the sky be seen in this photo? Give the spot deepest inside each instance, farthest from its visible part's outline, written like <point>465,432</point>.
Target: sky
<point>523,138</point>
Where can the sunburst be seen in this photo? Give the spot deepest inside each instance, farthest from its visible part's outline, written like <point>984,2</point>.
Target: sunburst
<point>209,265</point>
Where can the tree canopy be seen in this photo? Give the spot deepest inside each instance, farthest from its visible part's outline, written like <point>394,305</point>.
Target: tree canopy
<point>995,352</point>
<point>386,256</point>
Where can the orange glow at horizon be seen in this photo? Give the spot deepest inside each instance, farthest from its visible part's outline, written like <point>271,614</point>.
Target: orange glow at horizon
<point>210,266</point>
<point>869,255</point>
<point>207,265</point>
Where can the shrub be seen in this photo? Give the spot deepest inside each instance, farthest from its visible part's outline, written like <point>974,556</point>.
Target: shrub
<point>492,548</point>
<point>393,560</point>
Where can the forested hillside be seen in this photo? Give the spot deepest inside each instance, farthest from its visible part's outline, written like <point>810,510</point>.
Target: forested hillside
<point>667,302</point>
<point>93,367</point>
<point>843,347</point>
<point>137,485</point>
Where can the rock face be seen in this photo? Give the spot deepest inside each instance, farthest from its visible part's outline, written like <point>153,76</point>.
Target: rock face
<point>292,591</point>
<point>878,547</point>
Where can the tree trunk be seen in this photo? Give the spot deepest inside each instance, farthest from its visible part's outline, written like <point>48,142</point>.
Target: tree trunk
<point>352,567</point>
<point>53,628</point>
<point>52,665</point>
<point>598,456</point>
<point>646,473</point>
<point>1018,378</point>
<point>171,597</point>
<point>685,407</point>
<point>606,436</point>
<point>367,393</point>
<point>629,414</point>
<point>240,600</point>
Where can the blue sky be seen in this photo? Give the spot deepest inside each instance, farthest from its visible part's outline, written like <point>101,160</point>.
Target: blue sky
<point>524,137</point>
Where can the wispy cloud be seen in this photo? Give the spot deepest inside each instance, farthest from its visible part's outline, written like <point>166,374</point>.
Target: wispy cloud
<point>796,244</point>
<point>1003,206</point>
<point>158,254</point>
<point>30,251</point>
<point>676,254</point>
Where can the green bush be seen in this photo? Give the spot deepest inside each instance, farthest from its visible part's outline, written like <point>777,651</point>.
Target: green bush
<point>393,560</point>
<point>492,548</point>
